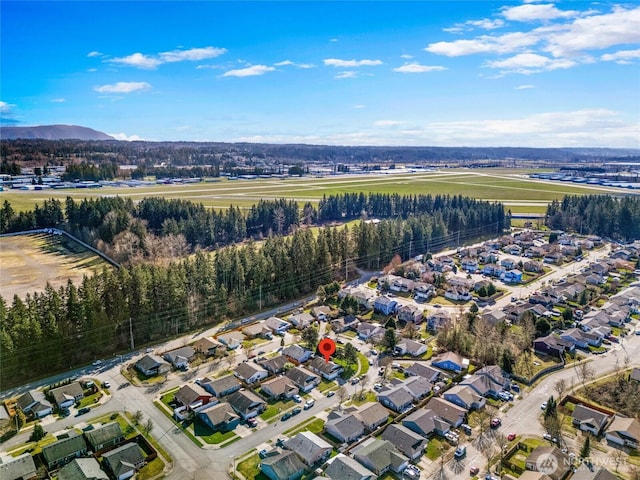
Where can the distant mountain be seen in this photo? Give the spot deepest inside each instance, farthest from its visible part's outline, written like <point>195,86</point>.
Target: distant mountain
<point>53,132</point>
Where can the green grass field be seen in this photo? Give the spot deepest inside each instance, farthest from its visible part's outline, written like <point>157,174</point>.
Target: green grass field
<point>519,193</point>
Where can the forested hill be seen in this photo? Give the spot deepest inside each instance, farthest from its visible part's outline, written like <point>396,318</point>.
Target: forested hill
<point>53,132</point>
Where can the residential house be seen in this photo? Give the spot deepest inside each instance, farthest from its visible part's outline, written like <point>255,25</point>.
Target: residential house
<point>508,263</point>
<point>345,427</point>
<point>342,324</point>
<point>495,374</point>
<point>385,305</point>
<point>400,284</point>
<point>285,466</point>
<point>310,447</point>
<point>553,345</point>
<point>347,468</point>
<point>553,257</point>
<point>480,284</point>
<point>397,399</point>
<point>21,467</point>
<point>328,370</point>
<point>450,361</point>
<point>368,331</point>
<point>279,387</point>
<point>222,386</point>
<point>624,432</point>
<point>410,313</point>
<point>303,378</point>
<point>489,256</point>
<point>321,313</point>
<point>380,456</point>
<point>418,387</point>
<point>422,292</point>
<point>192,396</point>
<point>437,320</point>
<point>469,264</point>
<point>301,320</point>
<point>219,418</point>
<point>494,270</point>
<point>104,436</point>
<point>581,339</point>
<point>274,365</point>
<point>585,472</point>
<point>426,422</point>
<point>232,339</point>
<point>34,403</point>
<point>422,370</point>
<point>465,397</point>
<point>152,365</point>
<point>250,373</point>
<point>453,414</point>
<point>277,325</point>
<point>297,354</point>
<point>207,346</point>
<point>542,455</point>
<point>513,276</point>
<point>373,415</point>
<point>494,317</point>
<point>258,330</point>
<point>66,395</point>
<point>513,249</point>
<point>246,403</point>
<point>533,266</point>
<point>62,451</point>
<point>124,461</point>
<point>406,441</point>
<point>590,420</point>
<point>180,357</point>
<point>80,469</point>
<point>457,294</point>
<point>410,347</point>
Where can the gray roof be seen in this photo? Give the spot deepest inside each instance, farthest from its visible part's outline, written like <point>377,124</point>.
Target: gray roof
<point>279,385</point>
<point>149,362</point>
<point>300,375</point>
<point>418,387</point>
<point>346,468</point>
<point>373,413</point>
<point>243,401</point>
<point>422,370</point>
<point>285,465</point>
<point>598,473</point>
<point>583,413</point>
<point>190,393</point>
<point>275,364</point>
<point>319,364</point>
<point>13,468</point>
<point>63,448</point>
<point>380,453</point>
<point>222,384</point>
<point>34,399</point>
<point>308,445</point>
<point>446,410</point>
<point>403,439</point>
<point>295,351</point>
<point>348,426</point>
<point>123,459</point>
<point>426,421</point>
<point>185,352</point>
<point>220,413</point>
<point>104,434</point>
<point>398,396</point>
<point>82,469</point>
<point>66,392</point>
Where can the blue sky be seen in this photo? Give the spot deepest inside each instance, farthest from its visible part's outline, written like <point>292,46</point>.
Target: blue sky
<point>452,73</point>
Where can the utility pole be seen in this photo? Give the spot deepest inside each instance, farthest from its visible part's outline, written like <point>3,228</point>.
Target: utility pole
<point>131,334</point>
<point>260,297</point>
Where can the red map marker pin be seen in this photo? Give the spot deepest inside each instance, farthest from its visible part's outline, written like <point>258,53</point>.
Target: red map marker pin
<point>327,347</point>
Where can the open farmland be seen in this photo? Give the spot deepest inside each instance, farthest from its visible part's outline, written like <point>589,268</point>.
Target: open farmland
<point>28,262</point>
<point>518,192</point>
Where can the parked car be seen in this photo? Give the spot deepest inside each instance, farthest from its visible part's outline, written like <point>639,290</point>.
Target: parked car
<point>331,393</point>
<point>262,453</point>
<point>296,411</point>
<point>474,470</point>
<point>511,436</point>
<point>252,422</point>
<point>106,385</point>
<point>309,403</point>
<point>377,387</point>
<point>297,398</point>
<point>543,406</point>
<point>460,452</point>
<point>495,422</point>
<point>411,471</point>
<point>82,411</point>
<point>466,428</point>
<point>354,380</point>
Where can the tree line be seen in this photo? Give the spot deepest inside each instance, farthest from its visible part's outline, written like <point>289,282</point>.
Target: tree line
<point>147,302</point>
<point>603,215</point>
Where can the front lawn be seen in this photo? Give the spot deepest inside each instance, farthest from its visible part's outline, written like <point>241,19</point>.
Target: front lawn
<point>368,396</point>
<point>326,385</point>
<point>364,364</point>
<point>249,468</point>
<point>436,448</point>
<point>205,434</point>
<point>313,425</point>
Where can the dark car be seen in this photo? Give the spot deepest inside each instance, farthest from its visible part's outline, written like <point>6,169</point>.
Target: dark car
<point>296,411</point>
<point>82,411</point>
<point>286,416</point>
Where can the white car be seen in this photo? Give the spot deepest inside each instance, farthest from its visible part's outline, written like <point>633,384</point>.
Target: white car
<point>297,398</point>
<point>309,403</point>
<point>543,406</point>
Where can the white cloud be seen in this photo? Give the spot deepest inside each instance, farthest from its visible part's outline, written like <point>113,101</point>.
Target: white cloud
<point>249,71</point>
<point>58,100</point>
<point>507,43</point>
<point>347,74</point>
<point>122,87</point>
<point>484,24</point>
<point>359,106</point>
<point>417,68</point>
<point>336,62</point>
<point>193,54</point>
<point>6,108</point>
<point>596,32</point>
<point>125,138</point>
<point>95,53</point>
<point>333,40</point>
<point>524,87</point>
<point>138,60</point>
<point>387,123</point>
<point>92,70</point>
<point>530,12</point>
<point>623,56</point>
<point>530,63</point>
<point>285,63</point>
<point>406,56</point>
